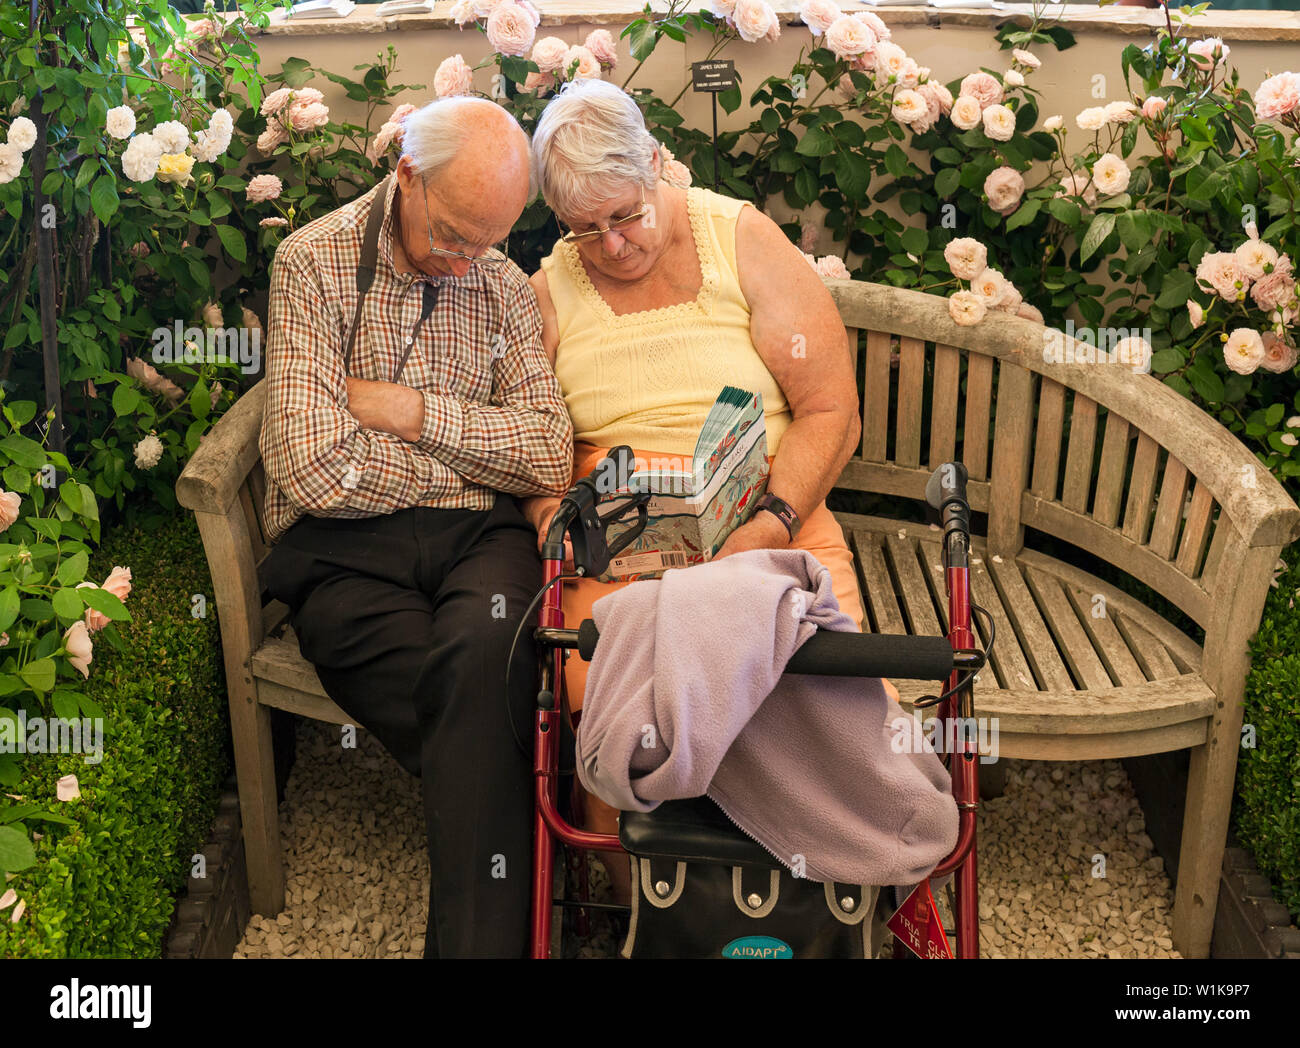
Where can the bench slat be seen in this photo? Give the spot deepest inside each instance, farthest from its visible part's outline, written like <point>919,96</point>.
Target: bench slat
<point>1151,655</point>
<point>1112,648</point>
<point>979,400</point>
<point>1169,510</point>
<point>943,405</point>
<point>1071,638</point>
<point>877,586</point>
<point>1009,662</point>
<point>1196,533</point>
<point>911,387</point>
<point>1047,445</point>
<point>1142,488</point>
<point>1110,474</point>
<point>1078,459</point>
<point>279,660</point>
<point>257,485</point>
<point>1035,638</point>
<point>1222,529</point>
<point>875,400</point>
<point>917,605</point>
<point>254,523</point>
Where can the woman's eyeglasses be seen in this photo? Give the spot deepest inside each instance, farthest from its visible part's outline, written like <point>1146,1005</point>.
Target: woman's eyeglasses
<point>617,225</point>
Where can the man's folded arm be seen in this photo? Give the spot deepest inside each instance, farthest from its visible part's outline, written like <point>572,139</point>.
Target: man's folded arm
<point>521,442</point>
<point>312,447</point>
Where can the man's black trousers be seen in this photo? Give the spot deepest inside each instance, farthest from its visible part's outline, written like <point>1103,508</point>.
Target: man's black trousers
<point>408,619</point>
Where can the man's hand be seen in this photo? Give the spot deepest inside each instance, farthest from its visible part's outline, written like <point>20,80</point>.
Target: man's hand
<point>387,406</point>
<point>538,511</point>
<point>764,530</point>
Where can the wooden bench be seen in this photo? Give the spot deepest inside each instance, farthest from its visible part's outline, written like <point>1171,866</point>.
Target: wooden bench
<point>1177,503</point>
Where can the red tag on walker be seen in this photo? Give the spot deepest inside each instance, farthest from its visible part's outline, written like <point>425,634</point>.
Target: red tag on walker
<point>917,925</point>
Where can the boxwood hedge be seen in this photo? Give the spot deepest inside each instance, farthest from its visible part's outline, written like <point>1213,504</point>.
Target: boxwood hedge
<point>105,886</point>
<point>1266,808</point>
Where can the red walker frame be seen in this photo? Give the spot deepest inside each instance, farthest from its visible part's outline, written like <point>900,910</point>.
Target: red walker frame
<point>550,825</point>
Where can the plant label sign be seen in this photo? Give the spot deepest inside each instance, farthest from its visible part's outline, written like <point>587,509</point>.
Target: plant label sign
<point>713,76</point>
<point>918,927</point>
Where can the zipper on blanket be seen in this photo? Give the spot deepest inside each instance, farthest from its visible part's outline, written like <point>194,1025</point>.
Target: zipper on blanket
<point>781,862</point>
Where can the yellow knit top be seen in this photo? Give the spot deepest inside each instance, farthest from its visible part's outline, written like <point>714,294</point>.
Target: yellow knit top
<point>648,379</point>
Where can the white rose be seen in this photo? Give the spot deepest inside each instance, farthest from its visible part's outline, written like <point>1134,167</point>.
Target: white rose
<point>999,123</point>
<point>120,122</point>
<point>1013,78</point>
<point>11,162</point>
<point>1091,119</point>
<point>140,160</point>
<point>966,113</point>
<point>22,133</point>
<point>1110,174</point>
<point>1052,123</point>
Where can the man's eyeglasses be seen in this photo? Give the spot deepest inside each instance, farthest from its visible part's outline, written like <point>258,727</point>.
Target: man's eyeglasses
<point>617,225</point>
<point>477,260</point>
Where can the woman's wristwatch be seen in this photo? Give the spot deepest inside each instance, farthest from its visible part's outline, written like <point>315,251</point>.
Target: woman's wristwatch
<point>783,510</point>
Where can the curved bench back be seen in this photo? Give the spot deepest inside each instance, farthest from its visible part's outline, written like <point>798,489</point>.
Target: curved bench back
<point>1176,502</point>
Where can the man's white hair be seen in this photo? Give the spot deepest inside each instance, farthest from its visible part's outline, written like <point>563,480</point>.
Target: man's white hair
<point>435,133</point>
<point>591,142</point>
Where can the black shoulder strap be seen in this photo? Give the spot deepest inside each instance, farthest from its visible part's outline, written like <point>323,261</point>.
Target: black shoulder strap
<point>366,267</point>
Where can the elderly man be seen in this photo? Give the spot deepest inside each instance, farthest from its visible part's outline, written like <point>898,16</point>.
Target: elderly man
<point>408,399</point>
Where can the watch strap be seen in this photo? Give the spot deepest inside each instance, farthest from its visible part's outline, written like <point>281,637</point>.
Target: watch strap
<point>785,513</point>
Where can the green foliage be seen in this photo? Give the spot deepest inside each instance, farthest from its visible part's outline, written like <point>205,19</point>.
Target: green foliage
<point>103,883</point>
<point>1266,812</point>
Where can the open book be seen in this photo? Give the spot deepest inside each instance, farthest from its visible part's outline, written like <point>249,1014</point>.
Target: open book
<point>696,504</point>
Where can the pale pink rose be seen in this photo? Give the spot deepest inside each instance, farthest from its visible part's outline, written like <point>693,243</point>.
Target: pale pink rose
<point>966,257</point>
<point>1052,123</point>
<point>909,107</point>
<point>462,12</point>
<point>600,42</point>
<point>1279,356</point>
<point>1004,187</point>
<point>1091,119</point>
<point>1254,256</point>
<point>1153,107</point>
<point>819,15</point>
<point>262,188</point>
<point>1011,300</point>
<point>938,95</point>
<point>1273,290</point>
<point>10,502</point>
<point>77,642</point>
<point>307,95</point>
<point>1219,270</point>
<point>983,87</point>
<point>1278,96</point>
<point>966,308</point>
<point>848,37</point>
<point>511,29</point>
<point>1013,78</point>
<point>212,315</point>
<point>532,11</point>
<point>891,61</point>
<point>275,101</point>
<point>384,138</point>
<point>1195,313</point>
<point>1134,351</point>
<point>1078,184</point>
<point>588,67</point>
<point>991,286</point>
<point>118,582</point>
<point>402,112</point>
<point>274,135</point>
<point>875,23</point>
<point>548,54</point>
<point>1244,351</point>
<point>999,123</point>
<point>1208,52</point>
<point>1029,313</point>
<point>148,377</point>
<point>831,267</point>
<point>675,173</point>
<point>94,620</point>
<point>273,221</point>
<point>453,77</point>
<point>1110,174</point>
<point>138,250</point>
<point>536,81</point>
<point>809,234</point>
<point>4,641</point>
<point>966,113</point>
<point>204,27</point>
<point>91,392</point>
<point>1121,112</point>
<point>1026,58</point>
<point>307,116</point>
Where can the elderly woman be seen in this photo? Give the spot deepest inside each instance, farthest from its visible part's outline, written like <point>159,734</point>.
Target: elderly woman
<point>656,298</point>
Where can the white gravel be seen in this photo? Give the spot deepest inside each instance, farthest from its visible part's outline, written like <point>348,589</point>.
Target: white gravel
<point>357,870</point>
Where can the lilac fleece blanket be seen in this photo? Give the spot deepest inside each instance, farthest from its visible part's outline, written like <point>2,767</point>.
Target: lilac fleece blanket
<point>685,696</point>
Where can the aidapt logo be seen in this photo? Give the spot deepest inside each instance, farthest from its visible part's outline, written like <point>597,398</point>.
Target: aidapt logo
<point>762,947</point>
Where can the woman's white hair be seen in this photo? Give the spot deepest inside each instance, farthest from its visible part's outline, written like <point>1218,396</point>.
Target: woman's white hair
<point>435,133</point>
<point>591,142</point>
